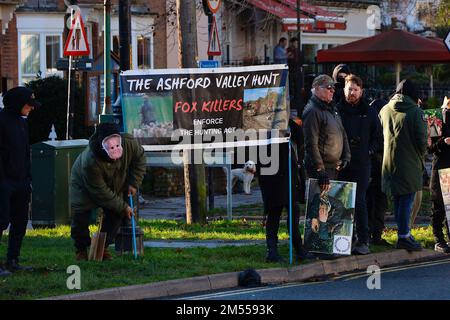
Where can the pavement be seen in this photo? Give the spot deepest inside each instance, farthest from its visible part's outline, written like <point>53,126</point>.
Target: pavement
<point>301,273</point>
<point>175,208</point>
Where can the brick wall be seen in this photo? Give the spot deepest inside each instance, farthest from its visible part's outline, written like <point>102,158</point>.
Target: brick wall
<point>8,56</point>
<point>160,34</point>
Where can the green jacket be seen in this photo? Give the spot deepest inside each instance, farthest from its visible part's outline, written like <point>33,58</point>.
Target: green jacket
<point>96,181</point>
<point>405,142</point>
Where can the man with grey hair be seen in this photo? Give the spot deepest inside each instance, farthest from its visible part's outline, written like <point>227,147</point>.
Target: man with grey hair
<point>326,146</point>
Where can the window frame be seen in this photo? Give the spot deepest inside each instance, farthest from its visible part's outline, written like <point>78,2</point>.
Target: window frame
<point>42,53</point>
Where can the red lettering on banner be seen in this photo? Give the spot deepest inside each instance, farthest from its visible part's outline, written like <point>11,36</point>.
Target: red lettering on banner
<point>218,105</point>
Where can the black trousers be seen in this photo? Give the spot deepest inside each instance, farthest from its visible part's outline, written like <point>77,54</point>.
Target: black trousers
<point>438,218</point>
<point>80,227</point>
<point>273,224</point>
<point>361,176</point>
<point>14,206</point>
<point>377,204</point>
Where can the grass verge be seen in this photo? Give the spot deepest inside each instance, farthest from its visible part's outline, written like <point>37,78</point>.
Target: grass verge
<point>51,252</point>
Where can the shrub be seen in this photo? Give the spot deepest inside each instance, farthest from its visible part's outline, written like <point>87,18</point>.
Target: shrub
<point>52,93</point>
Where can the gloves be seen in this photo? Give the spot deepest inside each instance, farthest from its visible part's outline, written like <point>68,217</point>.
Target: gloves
<point>322,176</point>
<point>341,165</point>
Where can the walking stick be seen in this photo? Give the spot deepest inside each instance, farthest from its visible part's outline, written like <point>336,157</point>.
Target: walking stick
<point>134,227</point>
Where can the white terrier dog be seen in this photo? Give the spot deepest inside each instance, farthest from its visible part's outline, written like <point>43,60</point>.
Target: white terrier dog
<point>244,174</point>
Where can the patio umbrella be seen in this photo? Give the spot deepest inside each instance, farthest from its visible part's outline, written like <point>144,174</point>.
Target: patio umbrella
<point>395,46</point>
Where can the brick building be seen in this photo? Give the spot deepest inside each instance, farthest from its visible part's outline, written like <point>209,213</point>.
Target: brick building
<point>32,37</point>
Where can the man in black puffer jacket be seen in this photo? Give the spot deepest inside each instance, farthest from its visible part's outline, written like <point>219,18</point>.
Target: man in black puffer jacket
<point>15,171</point>
<point>364,134</point>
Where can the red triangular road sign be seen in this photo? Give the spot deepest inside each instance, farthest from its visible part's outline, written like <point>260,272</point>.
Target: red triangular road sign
<point>76,43</point>
<point>214,42</point>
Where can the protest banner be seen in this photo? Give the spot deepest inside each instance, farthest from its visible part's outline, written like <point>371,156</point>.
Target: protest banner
<point>444,180</point>
<point>204,106</point>
<point>329,217</point>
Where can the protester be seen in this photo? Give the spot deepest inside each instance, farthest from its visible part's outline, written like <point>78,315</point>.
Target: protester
<point>377,202</point>
<point>103,176</point>
<point>326,147</point>
<point>279,51</point>
<point>339,74</point>
<point>275,194</point>
<point>294,59</point>
<point>363,130</point>
<point>405,142</point>
<point>440,148</point>
<point>15,171</point>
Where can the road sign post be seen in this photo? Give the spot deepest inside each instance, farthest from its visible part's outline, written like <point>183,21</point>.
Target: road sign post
<point>76,45</point>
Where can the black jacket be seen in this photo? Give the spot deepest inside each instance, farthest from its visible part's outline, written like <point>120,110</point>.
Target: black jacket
<point>15,163</point>
<point>275,188</point>
<point>363,130</point>
<point>326,143</point>
<point>441,156</point>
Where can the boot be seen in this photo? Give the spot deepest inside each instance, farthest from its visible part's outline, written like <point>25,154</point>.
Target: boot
<point>272,252</point>
<point>409,244</point>
<point>13,265</point>
<point>303,255</point>
<point>442,247</point>
<point>81,255</point>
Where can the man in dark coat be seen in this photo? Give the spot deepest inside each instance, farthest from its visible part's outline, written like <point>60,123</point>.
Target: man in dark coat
<point>405,144</point>
<point>326,146</point>
<point>103,176</point>
<point>363,130</point>
<point>440,148</point>
<point>275,194</point>
<point>15,171</point>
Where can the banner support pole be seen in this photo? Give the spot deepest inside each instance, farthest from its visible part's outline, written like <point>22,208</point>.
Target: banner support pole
<point>290,203</point>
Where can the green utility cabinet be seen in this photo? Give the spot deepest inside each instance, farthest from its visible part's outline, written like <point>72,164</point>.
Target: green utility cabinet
<point>51,164</point>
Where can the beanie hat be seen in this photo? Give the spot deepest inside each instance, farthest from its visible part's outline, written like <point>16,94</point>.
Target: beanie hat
<point>338,69</point>
<point>407,88</point>
<point>16,98</point>
<point>106,130</point>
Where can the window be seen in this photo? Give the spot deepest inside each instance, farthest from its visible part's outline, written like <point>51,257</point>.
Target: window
<point>144,53</point>
<point>30,59</point>
<point>52,52</point>
<point>38,55</point>
<point>116,45</point>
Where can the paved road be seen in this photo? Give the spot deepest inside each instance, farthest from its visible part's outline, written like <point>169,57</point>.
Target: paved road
<point>426,281</point>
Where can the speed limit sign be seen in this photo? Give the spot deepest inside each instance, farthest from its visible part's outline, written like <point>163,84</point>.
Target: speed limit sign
<point>213,5</point>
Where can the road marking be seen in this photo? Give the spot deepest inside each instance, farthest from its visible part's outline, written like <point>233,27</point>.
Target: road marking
<point>243,291</point>
<point>353,276</point>
<point>392,269</point>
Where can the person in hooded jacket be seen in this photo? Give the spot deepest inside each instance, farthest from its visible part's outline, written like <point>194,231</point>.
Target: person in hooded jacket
<point>339,74</point>
<point>405,144</point>
<point>15,171</point>
<point>103,176</point>
<point>440,148</point>
<point>363,130</point>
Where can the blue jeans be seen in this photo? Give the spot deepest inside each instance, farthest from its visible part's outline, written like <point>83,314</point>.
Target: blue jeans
<point>402,210</point>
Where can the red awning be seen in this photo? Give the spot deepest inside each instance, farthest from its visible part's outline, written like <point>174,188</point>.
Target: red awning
<point>387,47</point>
<point>287,15</point>
<point>323,18</point>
